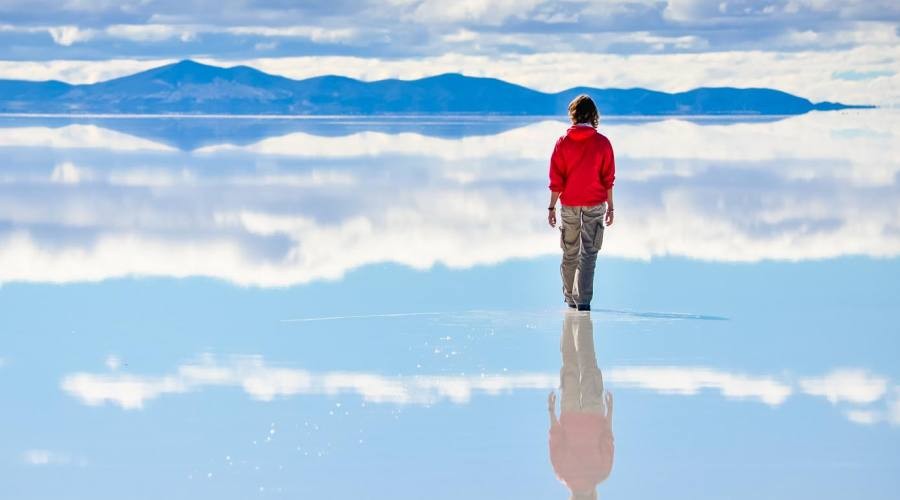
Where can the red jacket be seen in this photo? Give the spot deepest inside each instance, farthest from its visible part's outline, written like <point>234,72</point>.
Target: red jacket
<point>582,167</point>
<point>582,449</point>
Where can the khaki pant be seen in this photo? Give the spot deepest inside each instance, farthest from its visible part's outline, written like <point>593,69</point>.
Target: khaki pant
<point>580,380</point>
<point>581,236</point>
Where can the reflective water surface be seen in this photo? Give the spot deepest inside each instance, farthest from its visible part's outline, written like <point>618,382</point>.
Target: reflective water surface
<point>370,308</point>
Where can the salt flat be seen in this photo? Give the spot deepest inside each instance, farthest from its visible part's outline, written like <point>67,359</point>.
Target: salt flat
<point>344,315</point>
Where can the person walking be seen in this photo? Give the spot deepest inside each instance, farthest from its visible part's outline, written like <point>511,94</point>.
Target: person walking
<point>582,173</point>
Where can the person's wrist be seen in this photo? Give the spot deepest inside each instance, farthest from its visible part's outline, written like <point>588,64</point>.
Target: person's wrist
<point>552,208</point>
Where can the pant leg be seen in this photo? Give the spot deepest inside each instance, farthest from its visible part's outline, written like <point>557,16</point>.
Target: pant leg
<point>569,241</point>
<point>591,238</point>
<point>590,380</point>
<point>569,377</point>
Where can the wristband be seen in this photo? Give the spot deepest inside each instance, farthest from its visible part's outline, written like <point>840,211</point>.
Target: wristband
<point>551,208</point>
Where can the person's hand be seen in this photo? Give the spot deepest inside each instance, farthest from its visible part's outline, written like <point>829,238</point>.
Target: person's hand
<point>609,216</point>
<point>551,401</point>
<point>551,217</point>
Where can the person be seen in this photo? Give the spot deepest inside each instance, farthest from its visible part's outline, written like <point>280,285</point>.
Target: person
<point>582,173</point>
<point>581,440</point>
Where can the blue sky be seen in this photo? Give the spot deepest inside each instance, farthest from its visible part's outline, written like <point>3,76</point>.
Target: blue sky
<point>803,46</point>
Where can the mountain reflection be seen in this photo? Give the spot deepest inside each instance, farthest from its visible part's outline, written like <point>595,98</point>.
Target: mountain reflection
<point>193,132</point>
<point>582,444</point>
<point>85,203</point>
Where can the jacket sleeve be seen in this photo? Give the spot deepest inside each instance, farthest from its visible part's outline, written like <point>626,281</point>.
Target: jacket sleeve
<point>557,169</point>
<point>608,172</point>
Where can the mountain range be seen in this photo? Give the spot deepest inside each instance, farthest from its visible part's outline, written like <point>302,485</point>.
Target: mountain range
<point>190,87</point>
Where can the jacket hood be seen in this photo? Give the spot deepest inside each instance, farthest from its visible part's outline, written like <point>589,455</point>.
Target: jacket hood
<point>580,132</point>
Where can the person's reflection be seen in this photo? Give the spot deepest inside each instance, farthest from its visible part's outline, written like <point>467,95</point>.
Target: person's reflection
<point>581,440</point>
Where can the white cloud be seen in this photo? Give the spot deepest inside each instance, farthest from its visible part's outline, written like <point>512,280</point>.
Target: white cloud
<point>890,413</point>
<point>150,32</point>
<point>688,10</point>
<point>853,35</point>
<point>461,35</point>
<point>859,148</point>
<point>314,33</point>
<point>75,71</point>
<point>846,385</point>
<point>863,417</point>
<point>67,173</point>
<point>128,391</point>
<point>690,381</point>
<point>75,137</point>
<point>68,35</point>
<point>361,144</point>
<point>489,12</point>
<point>40,457</point>
<point>265,383</point>
<point>661,42</point>
<point>166,217</point>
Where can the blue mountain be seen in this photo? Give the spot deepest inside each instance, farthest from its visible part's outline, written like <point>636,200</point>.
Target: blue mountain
<point>194,88</point>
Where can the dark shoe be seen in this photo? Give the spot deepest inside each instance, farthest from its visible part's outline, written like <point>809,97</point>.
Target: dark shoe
<point>571,306</point>
<point>584,307</point>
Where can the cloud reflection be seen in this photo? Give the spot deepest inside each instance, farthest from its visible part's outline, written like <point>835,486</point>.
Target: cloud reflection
<point>678,380</point>
<point>41,457</point>
<point>265,382</point>
<point>272,212</point>
<point>76,137</point>
<point>847,385</point>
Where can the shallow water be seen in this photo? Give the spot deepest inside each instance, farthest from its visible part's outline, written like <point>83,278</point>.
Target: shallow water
<point>369,308</point>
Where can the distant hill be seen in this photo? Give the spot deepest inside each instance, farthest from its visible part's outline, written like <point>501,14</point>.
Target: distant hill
<point>194,88</point>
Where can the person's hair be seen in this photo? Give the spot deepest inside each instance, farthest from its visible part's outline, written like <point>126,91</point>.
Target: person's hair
<point>583,110</point>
